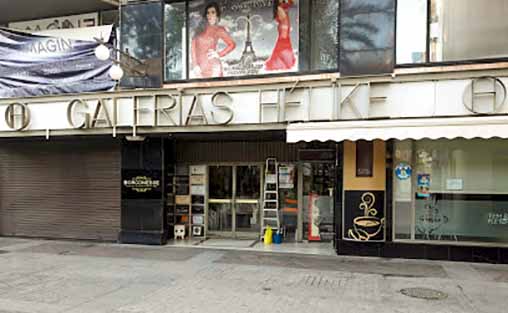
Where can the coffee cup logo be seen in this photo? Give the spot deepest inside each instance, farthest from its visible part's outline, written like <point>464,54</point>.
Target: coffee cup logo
<point>368,225</point>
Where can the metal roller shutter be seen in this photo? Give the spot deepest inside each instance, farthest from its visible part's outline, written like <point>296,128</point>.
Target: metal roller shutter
<point>60,189</point>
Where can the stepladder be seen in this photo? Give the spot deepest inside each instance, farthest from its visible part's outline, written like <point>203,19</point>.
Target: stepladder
<point>270,210</point>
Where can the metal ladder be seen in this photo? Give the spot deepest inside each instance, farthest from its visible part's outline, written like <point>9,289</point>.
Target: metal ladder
<point>271,197</point>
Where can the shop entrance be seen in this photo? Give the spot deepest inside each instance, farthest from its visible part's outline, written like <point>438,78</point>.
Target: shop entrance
<point>234,198</point>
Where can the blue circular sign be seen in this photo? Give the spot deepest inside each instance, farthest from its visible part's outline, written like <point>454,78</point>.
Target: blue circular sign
<point>403,171</point>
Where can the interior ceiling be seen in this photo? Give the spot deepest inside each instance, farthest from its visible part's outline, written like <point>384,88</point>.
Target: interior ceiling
<point>23,10</point>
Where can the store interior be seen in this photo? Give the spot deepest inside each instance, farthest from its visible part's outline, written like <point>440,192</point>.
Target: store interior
<point>213,203</point>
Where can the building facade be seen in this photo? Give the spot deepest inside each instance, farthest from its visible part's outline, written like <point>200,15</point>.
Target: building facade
<point>387,120</point>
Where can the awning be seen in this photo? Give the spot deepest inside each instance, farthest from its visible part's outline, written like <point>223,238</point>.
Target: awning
<point>409,128</point>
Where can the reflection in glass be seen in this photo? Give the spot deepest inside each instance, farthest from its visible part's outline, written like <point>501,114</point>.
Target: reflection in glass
<point>175,32</point>
<point>248,182</point>
<point>457,192</point>
<point>468,29</point>
<point>318,200</point>
<point>221,182</point>
<point>367,36</point>
<point>319,34</point>
<point>411,31</point>
<point>247,217</point>
<point>141,37</point>
<point>402,192</point>
<point>220,217</point>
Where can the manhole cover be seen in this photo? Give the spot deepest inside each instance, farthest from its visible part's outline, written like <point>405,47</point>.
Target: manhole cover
<point>424,293</point>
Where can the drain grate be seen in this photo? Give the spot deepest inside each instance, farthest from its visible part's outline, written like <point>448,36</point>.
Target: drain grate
<point>424,293</point>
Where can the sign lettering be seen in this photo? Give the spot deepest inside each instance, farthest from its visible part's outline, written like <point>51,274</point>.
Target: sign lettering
<point>17,116</point>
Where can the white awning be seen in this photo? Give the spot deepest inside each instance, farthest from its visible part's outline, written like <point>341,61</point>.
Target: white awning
<point>409,128</point>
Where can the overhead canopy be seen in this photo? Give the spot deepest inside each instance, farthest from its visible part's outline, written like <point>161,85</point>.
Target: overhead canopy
<point>417,128</point>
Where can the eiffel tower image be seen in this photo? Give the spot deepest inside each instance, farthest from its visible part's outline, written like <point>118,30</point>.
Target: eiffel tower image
<point>248,55</point>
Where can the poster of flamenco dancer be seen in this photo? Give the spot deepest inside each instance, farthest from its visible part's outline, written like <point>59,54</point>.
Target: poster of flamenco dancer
<point>237,38</point>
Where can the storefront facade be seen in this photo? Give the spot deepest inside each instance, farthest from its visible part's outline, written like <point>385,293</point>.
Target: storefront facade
<point>387,143</point>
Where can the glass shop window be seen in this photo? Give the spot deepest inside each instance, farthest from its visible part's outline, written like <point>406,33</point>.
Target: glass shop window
<point>451,190</point>
<point>175,43</point>
<point>367,36</point>
<point>141,37</point>
<point>411,31</point>
<point>319,44</point>
<point>468,29</point>
<point>231,38</point>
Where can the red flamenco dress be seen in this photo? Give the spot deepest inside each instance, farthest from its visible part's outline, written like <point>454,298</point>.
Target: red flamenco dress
<point>282,57</point>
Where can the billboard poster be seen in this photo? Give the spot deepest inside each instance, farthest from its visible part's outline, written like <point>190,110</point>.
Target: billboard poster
<point>35,65</point>
<point>236,38</point>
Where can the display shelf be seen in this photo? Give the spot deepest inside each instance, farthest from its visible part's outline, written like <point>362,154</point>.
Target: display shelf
<point>197,198</point>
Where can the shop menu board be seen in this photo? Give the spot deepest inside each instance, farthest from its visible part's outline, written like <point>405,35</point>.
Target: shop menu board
<point>364,216</point>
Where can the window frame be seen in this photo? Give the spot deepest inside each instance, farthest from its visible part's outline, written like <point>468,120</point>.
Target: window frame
<point>412,230</point>
<point>428,63</point>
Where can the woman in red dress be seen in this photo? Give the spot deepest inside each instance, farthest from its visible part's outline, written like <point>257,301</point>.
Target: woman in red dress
<point>205,57</point>
<point>282,57</point>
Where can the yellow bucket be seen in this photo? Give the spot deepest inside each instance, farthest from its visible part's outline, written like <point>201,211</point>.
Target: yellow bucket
<point>267,238</point>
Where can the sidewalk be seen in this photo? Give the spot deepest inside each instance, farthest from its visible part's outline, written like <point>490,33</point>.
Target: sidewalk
<point>58,276</point>
<point>311,248</point>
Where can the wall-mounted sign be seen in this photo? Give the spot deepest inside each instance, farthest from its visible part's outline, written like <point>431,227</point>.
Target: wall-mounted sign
<point>484,95</point>
<point>364,216</point>
<point>143,111</point>
<point>403,171</point>
<point>141,184</point>
<point>73,21</point>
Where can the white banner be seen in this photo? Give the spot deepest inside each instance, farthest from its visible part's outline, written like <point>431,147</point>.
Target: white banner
<point>86,34</point>
<point>64,22</point>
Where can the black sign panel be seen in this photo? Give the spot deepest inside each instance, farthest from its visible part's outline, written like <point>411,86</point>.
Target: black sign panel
<point>141,184</point>
<point>33,65</point>
<point>364,216</point>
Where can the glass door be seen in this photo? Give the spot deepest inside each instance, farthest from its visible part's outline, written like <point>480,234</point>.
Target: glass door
<point>247,199</point>
<point>220,203</point>
<point>234,200</point>
<point>318,201</point>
